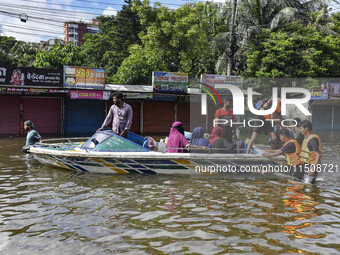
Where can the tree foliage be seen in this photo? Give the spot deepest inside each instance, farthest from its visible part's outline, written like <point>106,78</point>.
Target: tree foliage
<point>294,51</point>
<point>273,39</point>
<point>110,46</point>
<point>59,56</point>
<point>6,44</point>
<point>138,67</point>
<point>178,40</point>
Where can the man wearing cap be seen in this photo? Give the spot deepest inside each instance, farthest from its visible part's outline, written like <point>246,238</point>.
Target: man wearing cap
<point>121,115</point>
<point>32,135</point>
<point>291,149</point>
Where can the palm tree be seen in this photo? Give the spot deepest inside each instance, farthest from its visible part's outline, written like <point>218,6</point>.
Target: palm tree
<point>255,15</point>
<point>24,53</point>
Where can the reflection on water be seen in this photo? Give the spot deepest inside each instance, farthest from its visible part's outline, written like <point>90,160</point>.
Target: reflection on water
<point>51,211</point>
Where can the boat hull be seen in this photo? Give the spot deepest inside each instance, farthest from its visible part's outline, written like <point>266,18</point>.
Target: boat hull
<point>152,162</point>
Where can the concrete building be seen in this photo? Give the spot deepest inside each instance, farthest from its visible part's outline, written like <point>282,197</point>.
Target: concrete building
<point>75,32</point>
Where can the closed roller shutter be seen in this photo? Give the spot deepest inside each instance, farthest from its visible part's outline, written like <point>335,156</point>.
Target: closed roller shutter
<point>45,113</point>
<point>158,117</point>
<point>10,115</point>
<point>199,120</point>
<point>183,115</point>
<point>336,124</point>
<point>83,117</point>
<point>322,117</point>
<point>135,127</point>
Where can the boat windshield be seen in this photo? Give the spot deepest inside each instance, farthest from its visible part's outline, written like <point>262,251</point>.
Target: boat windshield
<point>96,139</point>
<point>108,141</point>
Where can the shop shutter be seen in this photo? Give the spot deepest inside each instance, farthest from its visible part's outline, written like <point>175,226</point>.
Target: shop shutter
<point>336,125</point>
<point>10,115</point>
<point>183,115</point>
<point>199,120</point>
<point>322,117</point>
<point>83,117</point>
<point>45,113</point>
<point>158,117</point>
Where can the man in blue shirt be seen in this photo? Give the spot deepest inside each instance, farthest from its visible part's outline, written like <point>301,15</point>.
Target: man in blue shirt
<point>32,135</point>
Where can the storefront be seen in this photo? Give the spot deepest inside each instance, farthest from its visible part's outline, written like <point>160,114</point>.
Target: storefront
<point>44,109</point>
<point>10,115</point>
<point>82,117</point>
<point>326,115</point>
<point>44,112</point>
<point>30,94</point>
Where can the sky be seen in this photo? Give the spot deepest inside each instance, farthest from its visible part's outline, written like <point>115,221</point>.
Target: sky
<point>46,17</point>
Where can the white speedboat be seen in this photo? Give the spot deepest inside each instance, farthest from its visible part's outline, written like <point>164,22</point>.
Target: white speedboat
<point>108,153</point>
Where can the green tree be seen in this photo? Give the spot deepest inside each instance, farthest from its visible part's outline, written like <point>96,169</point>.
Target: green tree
<point>6,44</point>
<point>138,67</point>
<point>182,37</point>
<point>255,15</point>
<point>110,46</point>
<point>24,53</point>
<point>58,56</point>
<point>293,51</point>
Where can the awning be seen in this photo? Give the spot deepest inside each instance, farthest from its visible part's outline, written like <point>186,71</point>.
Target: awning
<point>129,88</point>
<point>198,91</point>
<point>327,102</point>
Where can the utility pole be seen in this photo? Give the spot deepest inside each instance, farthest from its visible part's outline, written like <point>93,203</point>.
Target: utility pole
<point>232,41</point>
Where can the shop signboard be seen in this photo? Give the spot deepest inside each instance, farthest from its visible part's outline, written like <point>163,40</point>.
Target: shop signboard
<point>84,77</point>
<point>170,82</point>
<point>139,95</point>
<point>334,89</point>
<point>30,76</point>
<point>89,94</point>
<point>30,91</point>
<point>319,94</point>
<point>213,79</point>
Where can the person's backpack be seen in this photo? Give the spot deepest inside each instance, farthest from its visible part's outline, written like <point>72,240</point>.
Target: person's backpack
<point>260,103</point>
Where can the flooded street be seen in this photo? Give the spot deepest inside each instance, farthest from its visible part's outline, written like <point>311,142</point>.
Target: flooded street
<point>45,210</point>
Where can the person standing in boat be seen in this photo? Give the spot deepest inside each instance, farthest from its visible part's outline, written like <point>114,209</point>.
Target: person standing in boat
<point>32,135</point>
<point>310,151</point>
<point>121,115</point>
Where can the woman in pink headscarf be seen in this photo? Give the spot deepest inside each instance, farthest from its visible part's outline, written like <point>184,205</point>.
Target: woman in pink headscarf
<point>176,138</point>
<point>217,141</point>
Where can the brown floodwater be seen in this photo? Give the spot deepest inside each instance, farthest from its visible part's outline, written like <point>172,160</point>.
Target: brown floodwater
<point>45,210</point>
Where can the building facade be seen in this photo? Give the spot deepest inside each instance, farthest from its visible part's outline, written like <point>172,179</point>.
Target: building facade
<point>75,32</point>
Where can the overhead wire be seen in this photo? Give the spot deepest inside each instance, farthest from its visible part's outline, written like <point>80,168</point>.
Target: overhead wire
<point>29,28</point>
<point>31,34</point>
<point>77,6</point>
<point>52,22</point>
<point>34,8</point>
